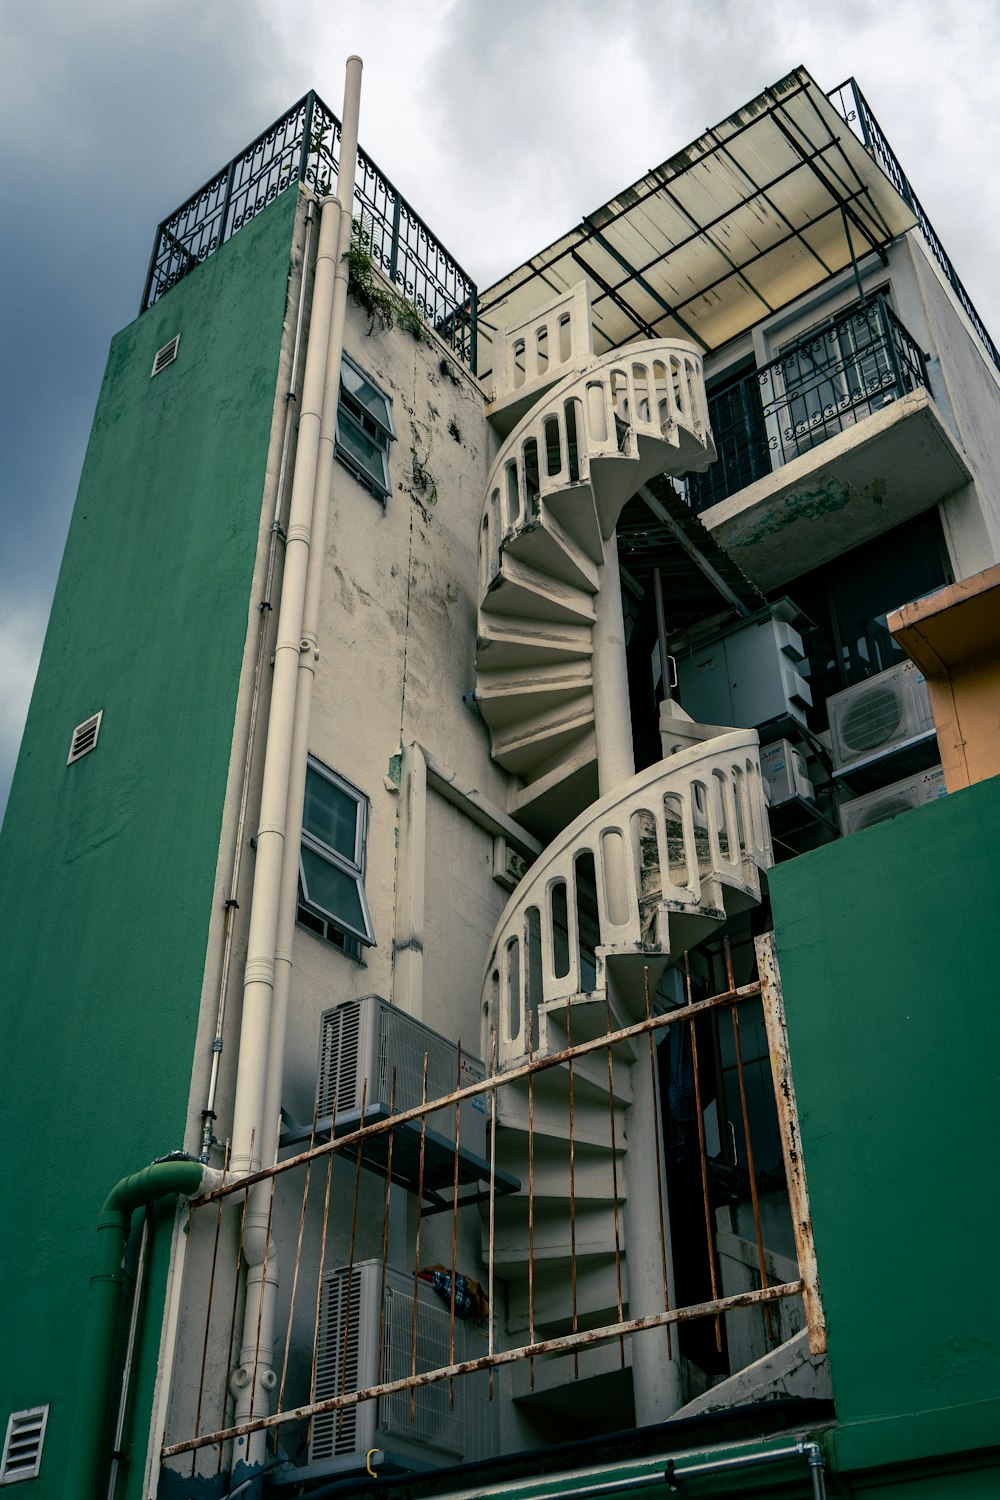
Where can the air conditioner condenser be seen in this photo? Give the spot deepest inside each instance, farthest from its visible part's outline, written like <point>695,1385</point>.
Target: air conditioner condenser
<point>884,713</point>
<point>889,801</point>
<point>366,1338</point>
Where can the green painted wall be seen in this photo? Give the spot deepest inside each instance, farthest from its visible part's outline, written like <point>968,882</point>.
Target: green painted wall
<point>107,866</point>
<point>887,943</point>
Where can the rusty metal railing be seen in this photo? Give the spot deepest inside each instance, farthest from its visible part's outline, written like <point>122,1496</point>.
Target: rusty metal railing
<point>387,1141</point>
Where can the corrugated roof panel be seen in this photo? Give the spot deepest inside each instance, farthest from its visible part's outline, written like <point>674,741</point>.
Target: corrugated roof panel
<point>740,211</point>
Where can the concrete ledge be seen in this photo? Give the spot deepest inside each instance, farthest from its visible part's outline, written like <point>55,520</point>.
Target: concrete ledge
<point>890,466</point>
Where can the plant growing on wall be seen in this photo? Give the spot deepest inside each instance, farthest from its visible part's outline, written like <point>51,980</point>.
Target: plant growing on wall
<point>383,306</point>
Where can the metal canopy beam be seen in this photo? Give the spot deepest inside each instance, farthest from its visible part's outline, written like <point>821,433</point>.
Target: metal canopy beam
<point>760,210</point>
<point>696,555</point>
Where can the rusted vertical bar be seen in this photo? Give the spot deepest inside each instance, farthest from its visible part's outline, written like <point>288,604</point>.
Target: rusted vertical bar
<point>493,1194</point>
<point>454,1232</point>
<point>654,1084</point>
<point>208,1316</point>
<point>614,1175</point>
<point>385,1244</point>
<point>572,1185</point>
<point>703,1153</point>
<point>322,1266</point>
<point>751,1167</point>
<point>350,1255</point>
<point>298,1260</point>
<point>791,1141</point>
<point>416,1243</point>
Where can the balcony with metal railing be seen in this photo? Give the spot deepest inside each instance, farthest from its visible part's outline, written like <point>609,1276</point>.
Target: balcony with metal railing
<point>304,147</point>
<point>835,439</point>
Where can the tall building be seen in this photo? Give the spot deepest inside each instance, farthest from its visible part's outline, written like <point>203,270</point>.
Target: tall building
<point>494,913</point>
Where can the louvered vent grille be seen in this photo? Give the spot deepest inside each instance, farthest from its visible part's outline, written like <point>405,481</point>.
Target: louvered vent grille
<point>165,356</point>
<point>337,1363</point>
<point>22,1449</point>
<point>84,737</point>
<point>338,1063</point>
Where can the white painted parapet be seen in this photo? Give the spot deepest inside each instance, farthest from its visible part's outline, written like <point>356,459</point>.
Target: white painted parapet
<point>543,347</point>
<point>674,839</point>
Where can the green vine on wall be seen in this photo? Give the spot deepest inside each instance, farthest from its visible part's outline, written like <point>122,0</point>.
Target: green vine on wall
<point>383,306</point>
<point>425,490</point>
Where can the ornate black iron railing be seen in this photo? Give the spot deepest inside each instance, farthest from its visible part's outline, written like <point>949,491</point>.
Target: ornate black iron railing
<point>852,105</point>
<point>304,146</point>
<point>841,372</point>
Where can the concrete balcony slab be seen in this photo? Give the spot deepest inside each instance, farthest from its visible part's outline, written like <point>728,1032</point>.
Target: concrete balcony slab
<point>890,466</point>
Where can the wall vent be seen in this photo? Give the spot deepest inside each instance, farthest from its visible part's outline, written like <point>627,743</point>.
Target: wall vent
<point>22,1447</point>
<point>165,356</point>
<point>84,737</point>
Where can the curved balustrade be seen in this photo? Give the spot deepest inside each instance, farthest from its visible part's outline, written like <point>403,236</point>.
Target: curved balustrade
<point>652,389</point>
<point>671,839</point>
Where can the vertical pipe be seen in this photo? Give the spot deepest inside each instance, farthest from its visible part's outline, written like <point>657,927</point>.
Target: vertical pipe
<point>272,915</point>
<point>612,715</point>
<point>655,1366</point>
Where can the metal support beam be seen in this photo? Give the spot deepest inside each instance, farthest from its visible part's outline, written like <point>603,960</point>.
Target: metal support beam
<point>712,574</point>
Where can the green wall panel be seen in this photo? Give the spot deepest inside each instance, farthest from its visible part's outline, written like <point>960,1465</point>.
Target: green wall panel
<point>887,944</point>
<point>107,866</point>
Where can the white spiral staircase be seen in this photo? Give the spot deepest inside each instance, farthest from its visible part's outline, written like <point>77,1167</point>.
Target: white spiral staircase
<point>636,878</point>
<point>553,497</point>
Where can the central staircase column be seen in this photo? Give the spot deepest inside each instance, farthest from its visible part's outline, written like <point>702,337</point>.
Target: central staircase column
<point>656,1380</point>
<point>612,714</point>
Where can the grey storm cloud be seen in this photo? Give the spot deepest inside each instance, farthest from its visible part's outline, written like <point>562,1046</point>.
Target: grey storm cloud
<point>502,126</point>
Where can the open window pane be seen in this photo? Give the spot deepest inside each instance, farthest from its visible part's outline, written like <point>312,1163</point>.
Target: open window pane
<point>364,429</point>
<point>362,454</point>
<point>332,859</point>
<point>336,894</point>
<point>331,815</point>
<point>357,384</point>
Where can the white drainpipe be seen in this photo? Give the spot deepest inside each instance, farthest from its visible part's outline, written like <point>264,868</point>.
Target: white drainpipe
<point>268,968</point>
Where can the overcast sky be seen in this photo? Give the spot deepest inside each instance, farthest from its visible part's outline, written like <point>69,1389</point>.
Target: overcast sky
<point>501,123</point>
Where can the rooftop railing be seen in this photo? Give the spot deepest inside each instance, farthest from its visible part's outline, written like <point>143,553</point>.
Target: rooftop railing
<point>844,370</point>
<point>304,146</point>
<point>852,105</point>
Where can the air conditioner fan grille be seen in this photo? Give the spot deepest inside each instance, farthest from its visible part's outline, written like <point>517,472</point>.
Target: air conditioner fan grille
<point>872,719</point>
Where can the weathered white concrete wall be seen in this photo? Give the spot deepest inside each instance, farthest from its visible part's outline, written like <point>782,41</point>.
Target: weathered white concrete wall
<point>397,652</point>
<point>966,387</point>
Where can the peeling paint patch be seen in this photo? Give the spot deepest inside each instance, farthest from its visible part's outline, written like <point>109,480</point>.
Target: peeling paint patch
<point>811,504</point>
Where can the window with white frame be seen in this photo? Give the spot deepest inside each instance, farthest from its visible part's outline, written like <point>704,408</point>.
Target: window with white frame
<point>364,429</point>
<point>332,860</point>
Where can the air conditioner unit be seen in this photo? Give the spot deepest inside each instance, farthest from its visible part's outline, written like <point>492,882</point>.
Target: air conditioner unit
<point>366,1338</point>
<point>889,801</point>
<point>371,1055</point>
<point>749,673</point>
<point>784,771</point>
<point>885,713</point>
